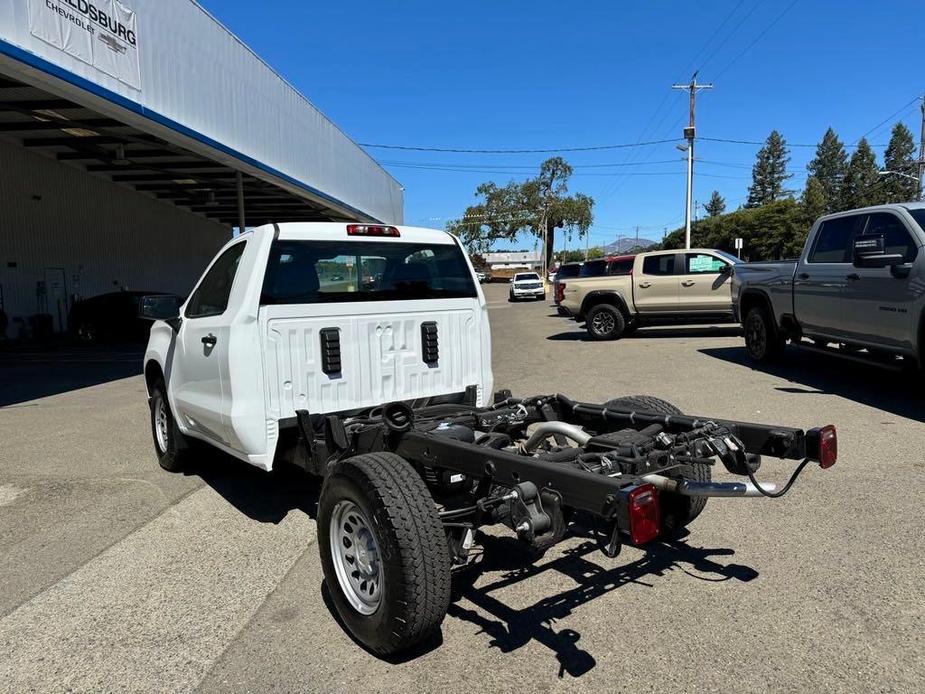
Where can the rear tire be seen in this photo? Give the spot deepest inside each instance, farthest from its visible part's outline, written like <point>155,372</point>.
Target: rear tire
<point>677,511</point>
<point>763,343</point>
<point>605,322</point>
<point>383,552</point>
<point>170,445</point>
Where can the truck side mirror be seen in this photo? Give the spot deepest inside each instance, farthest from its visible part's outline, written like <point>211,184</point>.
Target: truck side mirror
<point>868,251</point>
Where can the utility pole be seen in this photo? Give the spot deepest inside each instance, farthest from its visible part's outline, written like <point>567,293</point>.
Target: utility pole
<point>921,171</point>
<point>636,247</point>
<point>689,135</point>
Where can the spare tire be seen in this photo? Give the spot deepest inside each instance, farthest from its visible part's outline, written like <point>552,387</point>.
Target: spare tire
<point>677,511</point>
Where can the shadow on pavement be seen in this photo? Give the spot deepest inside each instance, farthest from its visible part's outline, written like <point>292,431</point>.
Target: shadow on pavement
<point>510,629</point>
<point>269,498</point>
<point>30,373</point>
<point>657,331</point>
<point>262,496</point>
<point>819,374</point>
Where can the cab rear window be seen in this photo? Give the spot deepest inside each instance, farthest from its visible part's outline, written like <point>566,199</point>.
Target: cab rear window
<point>312,272</point>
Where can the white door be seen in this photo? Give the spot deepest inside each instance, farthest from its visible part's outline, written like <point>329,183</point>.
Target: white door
<point>203,345</point>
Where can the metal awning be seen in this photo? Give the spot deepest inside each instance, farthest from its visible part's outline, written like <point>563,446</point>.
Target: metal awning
<point>103,146</point>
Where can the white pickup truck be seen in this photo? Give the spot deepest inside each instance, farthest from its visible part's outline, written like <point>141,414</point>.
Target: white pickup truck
<point>361,353</point>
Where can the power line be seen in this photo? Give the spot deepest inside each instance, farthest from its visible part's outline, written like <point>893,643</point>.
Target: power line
<point>526,168</point>
<point>761,143</point>
<point>756,39</point>
<point>516,151</point>
<point>715,33</point>
<point>731,33</point>
<point>889,118</point>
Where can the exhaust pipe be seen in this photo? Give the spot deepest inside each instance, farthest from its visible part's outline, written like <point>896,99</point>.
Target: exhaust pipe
<point>708,489</point>
<point>544,429</point>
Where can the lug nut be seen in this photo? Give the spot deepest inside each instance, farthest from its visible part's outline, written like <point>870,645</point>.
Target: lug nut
<point>523,527</point>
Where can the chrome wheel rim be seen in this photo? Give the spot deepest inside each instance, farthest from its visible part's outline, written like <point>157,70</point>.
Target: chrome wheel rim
<point>757,336</point>
<point>160,423</point>
<point>603,323</point>
<point>356,557</point>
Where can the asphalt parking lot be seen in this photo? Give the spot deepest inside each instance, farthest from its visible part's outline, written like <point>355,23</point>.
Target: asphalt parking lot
<point>117,576</point>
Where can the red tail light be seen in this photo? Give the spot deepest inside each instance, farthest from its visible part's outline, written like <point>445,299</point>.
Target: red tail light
<point>371,230</point>
<point>822,445</point>
<point>560,291</point>
<point>643,513</point>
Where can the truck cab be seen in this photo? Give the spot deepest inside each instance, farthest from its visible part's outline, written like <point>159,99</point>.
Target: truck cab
<point>320,317</point>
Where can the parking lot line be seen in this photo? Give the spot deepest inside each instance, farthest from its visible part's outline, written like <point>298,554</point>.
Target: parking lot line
<point>164,601</point>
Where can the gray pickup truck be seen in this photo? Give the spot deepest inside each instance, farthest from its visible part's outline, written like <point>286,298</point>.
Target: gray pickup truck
<point>857,290</point>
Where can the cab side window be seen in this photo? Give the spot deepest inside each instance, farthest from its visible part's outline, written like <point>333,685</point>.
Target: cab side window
<point>658,265</point>
<point>896,238</point>
<point>702,264</point>
<point>833,240</point>
<point>211,296</point>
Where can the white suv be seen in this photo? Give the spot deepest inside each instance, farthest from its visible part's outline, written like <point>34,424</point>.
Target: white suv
<point>527,285</point>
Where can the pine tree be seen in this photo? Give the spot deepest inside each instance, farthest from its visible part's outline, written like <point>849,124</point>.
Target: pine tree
<point>769,172</point>
<point>813,202</point>
<point>829,168</point>
<point>861,185</point>
<point>716,206</point>
<point>899,158</point>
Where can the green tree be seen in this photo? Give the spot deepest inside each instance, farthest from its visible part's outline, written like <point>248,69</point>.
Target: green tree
<point>769,174</point>
<point>571,256</point>
<point>596,252</point>
<point>829,168</point>
<point>813,202</point>
<point>899,158</point>
<point>773,231</point>
<point>538,205</point>
<point>860,185</point>
<point>479,262</point>
<point>716,206</point>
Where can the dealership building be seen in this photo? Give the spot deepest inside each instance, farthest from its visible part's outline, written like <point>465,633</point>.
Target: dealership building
<point>136,136</point>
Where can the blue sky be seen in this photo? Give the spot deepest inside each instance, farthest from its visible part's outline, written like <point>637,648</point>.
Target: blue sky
<point>505,74</point>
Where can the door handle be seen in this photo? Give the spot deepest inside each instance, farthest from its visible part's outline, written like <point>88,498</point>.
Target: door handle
<point>803,276</point>
<point>645,285</point>
<point>688,283</point>
<point>852,276</point>
<point>209,340</point>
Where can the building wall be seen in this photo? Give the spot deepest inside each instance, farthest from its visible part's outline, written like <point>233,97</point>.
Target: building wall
<point>197,74</point>
<point>103,236</point>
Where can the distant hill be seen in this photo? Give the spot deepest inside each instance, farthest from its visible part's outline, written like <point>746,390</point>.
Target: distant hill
<point>626,244</point>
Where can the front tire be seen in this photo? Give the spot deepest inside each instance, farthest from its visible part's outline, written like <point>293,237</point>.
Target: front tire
<point>677,511</point>
<point>170,445</point>
<point>605,322</point>
<point>383,552</point>
<point>763,344</point>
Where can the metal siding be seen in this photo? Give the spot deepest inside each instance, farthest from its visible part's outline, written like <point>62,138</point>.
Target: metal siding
<point>106,235</point>
<point>198,74</point>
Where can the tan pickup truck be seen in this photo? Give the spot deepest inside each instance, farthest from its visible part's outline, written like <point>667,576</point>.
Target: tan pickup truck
<point>690,286</point>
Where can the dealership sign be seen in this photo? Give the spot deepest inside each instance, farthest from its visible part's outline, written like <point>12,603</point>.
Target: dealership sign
<point>101,33</point>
